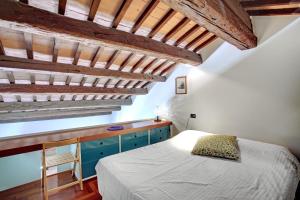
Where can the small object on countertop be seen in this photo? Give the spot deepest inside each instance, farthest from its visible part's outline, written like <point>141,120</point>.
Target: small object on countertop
<point>115,128</point>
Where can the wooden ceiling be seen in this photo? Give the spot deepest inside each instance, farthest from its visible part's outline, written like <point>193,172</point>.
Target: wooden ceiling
<point>271,7</point>
<point>63,58</point>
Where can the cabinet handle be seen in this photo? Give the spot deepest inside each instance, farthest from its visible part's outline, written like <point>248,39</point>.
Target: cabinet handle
<point>135,136</point>
<point>101,153</point>
<point>101,143</point>
<point>135,145</point>
<point>160,138</point>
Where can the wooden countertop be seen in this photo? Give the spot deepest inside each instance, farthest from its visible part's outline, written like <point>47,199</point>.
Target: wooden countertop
<point>33,142</point>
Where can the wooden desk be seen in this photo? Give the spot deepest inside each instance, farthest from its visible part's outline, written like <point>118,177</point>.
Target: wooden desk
<point>33,142</point>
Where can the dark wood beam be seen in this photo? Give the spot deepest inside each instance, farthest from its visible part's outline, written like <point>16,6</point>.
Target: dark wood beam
<point>126,61</point>
<point>217,17</point>
<point>55,51</point>
<point>96,57</point>
<point>121,12</point>
<point>62,7</point>
<point>168,69</point>
<point>268,4</point>
<point>57,89</point>
<point>187,34</point>
<point>138,64</point>
<point>153,62</point>
<point>93,9</point>
<point>34,66</point>
<point>204,44</point>
<point>112,59</point>
<point>77,54</point>
<point>152,5</point>
<point>161,23</point>
<point>52,105</point>
<point>2,52</point>
<point>175,30</point>
<point>196,39</point>
<point>31,19</point>
<point>159,67</point>
<point>49,114</point>
<point>24,1</point>
<point>28,44</point>
<point>274,12</point>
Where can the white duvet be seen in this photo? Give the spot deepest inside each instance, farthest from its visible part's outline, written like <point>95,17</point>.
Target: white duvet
<point>168,171</point>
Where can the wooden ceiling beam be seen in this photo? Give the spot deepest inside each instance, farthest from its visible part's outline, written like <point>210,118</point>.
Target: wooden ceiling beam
<point>175,30</point>
<point>195,28</point>
<point>32,20</point>
<point>112,59</point>
<point>52,105</point>
<point>20,64</point>
<point>219,18</point>
<point>96,57</point>
<point>62,7</point>
<point>144,15</point>
<point>63,89</point>
<point>204,44</point>
<point>57,114</point>
<point>269,4</point>
<point>159,67</point>
<point>77,54</point>
<point>197,39</point>
<point>55,51</point>
<point>93,9</point>
<point>28,44</point>
<point>153,62</point>
<point>2,51</point>
<point>168,69</point>
<point>24,1</point>
<point>274,12</point>
<point>121,12</point>
<point>138,64</point>
<point>161,23</point>
<point>126,61</point>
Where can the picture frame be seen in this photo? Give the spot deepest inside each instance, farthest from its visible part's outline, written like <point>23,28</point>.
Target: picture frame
<point>181,85</point>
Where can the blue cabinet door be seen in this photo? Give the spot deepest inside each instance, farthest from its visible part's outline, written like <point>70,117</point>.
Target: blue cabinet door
<point>93,151</point>
<point>159,134</point>
<point>134,140</point>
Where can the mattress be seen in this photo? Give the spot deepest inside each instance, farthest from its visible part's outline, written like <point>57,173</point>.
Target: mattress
<point>168,171</point>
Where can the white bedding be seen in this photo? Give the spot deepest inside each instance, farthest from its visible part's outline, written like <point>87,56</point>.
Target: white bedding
<point>168,171</point>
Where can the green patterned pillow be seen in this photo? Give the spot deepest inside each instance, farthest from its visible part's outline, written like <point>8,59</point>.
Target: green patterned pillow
<point>223,146</point>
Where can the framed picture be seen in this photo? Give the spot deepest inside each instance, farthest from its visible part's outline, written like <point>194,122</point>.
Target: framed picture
<point>180,84</point>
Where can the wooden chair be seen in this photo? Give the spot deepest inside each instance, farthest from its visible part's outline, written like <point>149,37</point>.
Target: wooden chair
<point>59,159</point>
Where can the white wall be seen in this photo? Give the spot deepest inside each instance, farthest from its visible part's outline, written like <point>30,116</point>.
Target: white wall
<point>253,94</point>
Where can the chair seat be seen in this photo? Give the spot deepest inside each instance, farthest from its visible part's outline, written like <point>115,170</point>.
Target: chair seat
<point>60,159</point>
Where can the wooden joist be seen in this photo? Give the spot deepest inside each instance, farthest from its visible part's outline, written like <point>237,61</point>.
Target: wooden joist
<point>31,20</point>
<point>93,9</point>
<point>34,66</point>
<point>2,52</point>
<point>64,89</point>
<point>161,22</point>
<point>121,12</point>
<point>273,12</point>
<point>219,18</point>
<point>62,6</point>
<point>52,105</point>
<point>177,28</point>
<point>28,44</point>
<point>53,114</point>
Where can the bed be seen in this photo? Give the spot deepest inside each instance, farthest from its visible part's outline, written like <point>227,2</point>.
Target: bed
<point>168,171</point>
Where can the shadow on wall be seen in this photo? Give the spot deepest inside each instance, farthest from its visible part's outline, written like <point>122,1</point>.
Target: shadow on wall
<point>253,94</point>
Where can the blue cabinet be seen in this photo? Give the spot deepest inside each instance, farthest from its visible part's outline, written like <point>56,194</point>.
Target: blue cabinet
<point>93,151</point>
<point>159,134</point>
<point>134,140</point>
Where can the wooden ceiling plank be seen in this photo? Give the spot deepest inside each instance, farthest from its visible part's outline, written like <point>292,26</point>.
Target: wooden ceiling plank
<point>197,39</point>
<point>112,59</point>
<point>2,51</point>
<point>161,23</point>
<point>145,14</point>
<point>62,7</point>
<point>31,20</point>
<point>217,17</point>
<point>46,115</point>
<point>93,9</point>
<point>176,28</point>
<point>57,89</point>
<point>8,63</point>
<point>204,44</point>
<point>186,35</point>
<point>121,12</point>
<point>168,69</point>
<point>28,44</point>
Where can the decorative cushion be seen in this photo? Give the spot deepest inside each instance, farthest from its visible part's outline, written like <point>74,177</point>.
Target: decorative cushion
<point>223,146</point>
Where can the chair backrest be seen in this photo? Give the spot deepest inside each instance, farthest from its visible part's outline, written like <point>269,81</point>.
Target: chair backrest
<point>60,143</point>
